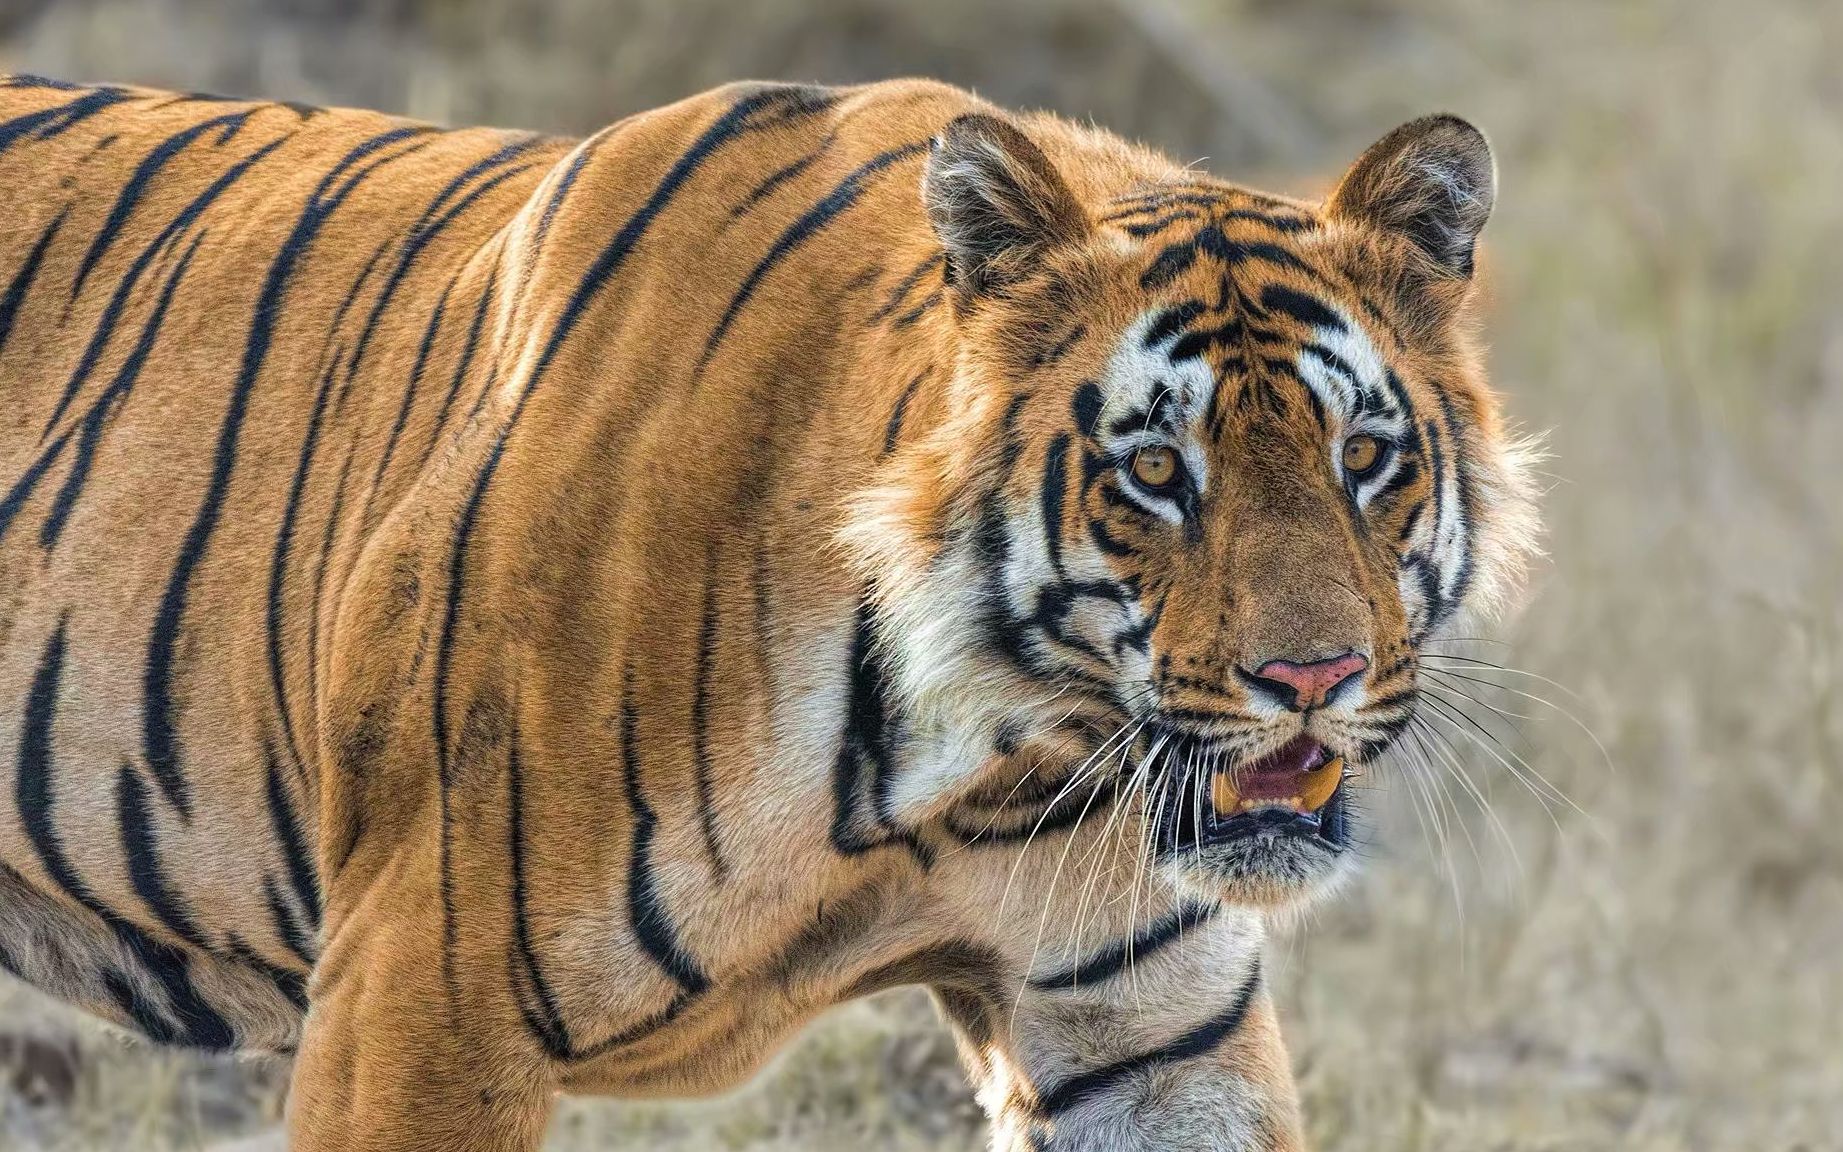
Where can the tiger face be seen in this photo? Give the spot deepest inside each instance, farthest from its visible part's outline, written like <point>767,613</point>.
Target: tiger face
<point>1227,461</point>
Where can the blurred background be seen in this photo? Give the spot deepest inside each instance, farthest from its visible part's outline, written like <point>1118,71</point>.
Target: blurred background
<point>1637,941</point>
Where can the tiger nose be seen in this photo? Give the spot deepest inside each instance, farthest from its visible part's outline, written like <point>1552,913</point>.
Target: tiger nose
<point>1304,686</point>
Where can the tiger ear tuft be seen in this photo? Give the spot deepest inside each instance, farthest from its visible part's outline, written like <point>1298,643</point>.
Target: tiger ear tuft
<point>996,202</point>
<point>1433,181</point>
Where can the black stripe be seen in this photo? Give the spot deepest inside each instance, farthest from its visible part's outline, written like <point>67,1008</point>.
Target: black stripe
<point>700,715</point>
<point>22,280</point>
<point>144,1015</point>
<point>780,176</point>
<point>468,348</point>
<point>1462,477</point>
<point>1055,486</point>
<point>1199,1041</point>
<point>1047,807</point>
<point>141,850</point>
<point>900,291</point>
<point>1173,261</point>
<point>1337,364</point>
<point>652,921</point>
<point>291,510</point>
<point>1430,577</point>
<point>51,122</point>
<point>1107,542</point>
<point>1193,345</point>
<point>288,927</point>
<point>791,101</point>
<point>929,302</point>
<point>546,1021</point>
<point>1087,408</point>
<point>407,404</point>
<point>1113,959</point>
<point>892,432</point>
<point>316,597</point>
<point>289,838</point>
<point>159,741</point>
<point>110,402</point>
<point>811,222</point>
<point>1171,321</point>
<point>1405,406</point>
<point>292,985</point>
<point>857,818</point>
<point>1156,224</point>
<point>130,196</point>
<point>22,489</point>
<point>1237,251</point>
<point>32,787</point>
<point>1304,309</point>
<point>1055,352</point>
<point>27,82</point>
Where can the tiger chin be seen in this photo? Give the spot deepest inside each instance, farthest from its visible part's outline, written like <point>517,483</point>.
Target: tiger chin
<point>495,615</point>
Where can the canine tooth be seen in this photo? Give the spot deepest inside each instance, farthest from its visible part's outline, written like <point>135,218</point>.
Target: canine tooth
<point>1320,784</point>
<point>1222,793</point>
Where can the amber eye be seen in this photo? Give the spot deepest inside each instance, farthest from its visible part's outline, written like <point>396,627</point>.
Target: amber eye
<point>1155,468</point>
<point>1362,454</point>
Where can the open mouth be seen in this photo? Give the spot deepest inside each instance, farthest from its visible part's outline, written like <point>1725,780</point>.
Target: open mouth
<point>1297,790</point>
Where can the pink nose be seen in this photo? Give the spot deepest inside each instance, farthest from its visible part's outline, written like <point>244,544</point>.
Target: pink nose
<point>1308,685</point>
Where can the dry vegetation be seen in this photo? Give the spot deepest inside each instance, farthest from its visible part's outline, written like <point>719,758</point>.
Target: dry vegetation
<point>1652,964</point>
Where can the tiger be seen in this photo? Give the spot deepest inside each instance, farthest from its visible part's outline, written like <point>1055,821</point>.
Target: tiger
<point>490,615</point>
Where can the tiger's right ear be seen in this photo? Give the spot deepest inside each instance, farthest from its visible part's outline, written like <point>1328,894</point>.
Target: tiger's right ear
<point>1431,181</point>
<point>996,203</point>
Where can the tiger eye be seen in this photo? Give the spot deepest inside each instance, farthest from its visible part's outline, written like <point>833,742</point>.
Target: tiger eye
<point>1361,453</point>
<point>1155,467</point>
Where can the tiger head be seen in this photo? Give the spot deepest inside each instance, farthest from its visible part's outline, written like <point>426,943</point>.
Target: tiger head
<point>1218,465</point>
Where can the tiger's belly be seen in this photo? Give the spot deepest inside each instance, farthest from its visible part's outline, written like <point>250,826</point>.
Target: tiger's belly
<point>183,908</point>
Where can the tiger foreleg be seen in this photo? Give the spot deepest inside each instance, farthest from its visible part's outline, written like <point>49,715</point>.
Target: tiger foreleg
<point>1221,1084</point>
<point>390,1061</point>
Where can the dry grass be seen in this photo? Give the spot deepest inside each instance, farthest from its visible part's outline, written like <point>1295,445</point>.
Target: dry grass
<point>1654,971</point>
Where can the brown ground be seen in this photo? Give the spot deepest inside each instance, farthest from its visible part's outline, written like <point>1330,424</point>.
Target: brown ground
<point>1653,964</point>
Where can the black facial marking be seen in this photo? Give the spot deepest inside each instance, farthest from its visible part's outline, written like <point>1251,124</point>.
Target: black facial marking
<point>1304,309</point>
<point>1087,408</point>
<point>1171,321</point>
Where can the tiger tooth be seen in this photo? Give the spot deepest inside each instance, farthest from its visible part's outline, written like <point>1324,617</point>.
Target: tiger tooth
<point>1222,794</point>
<point>1320,784</point>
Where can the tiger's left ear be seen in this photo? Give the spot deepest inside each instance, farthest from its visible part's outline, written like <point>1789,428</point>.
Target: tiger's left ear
<point>996,202</point>
<point>1433,181</point>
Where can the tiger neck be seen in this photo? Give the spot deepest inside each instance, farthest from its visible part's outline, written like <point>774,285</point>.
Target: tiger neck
<point>910,534</point>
